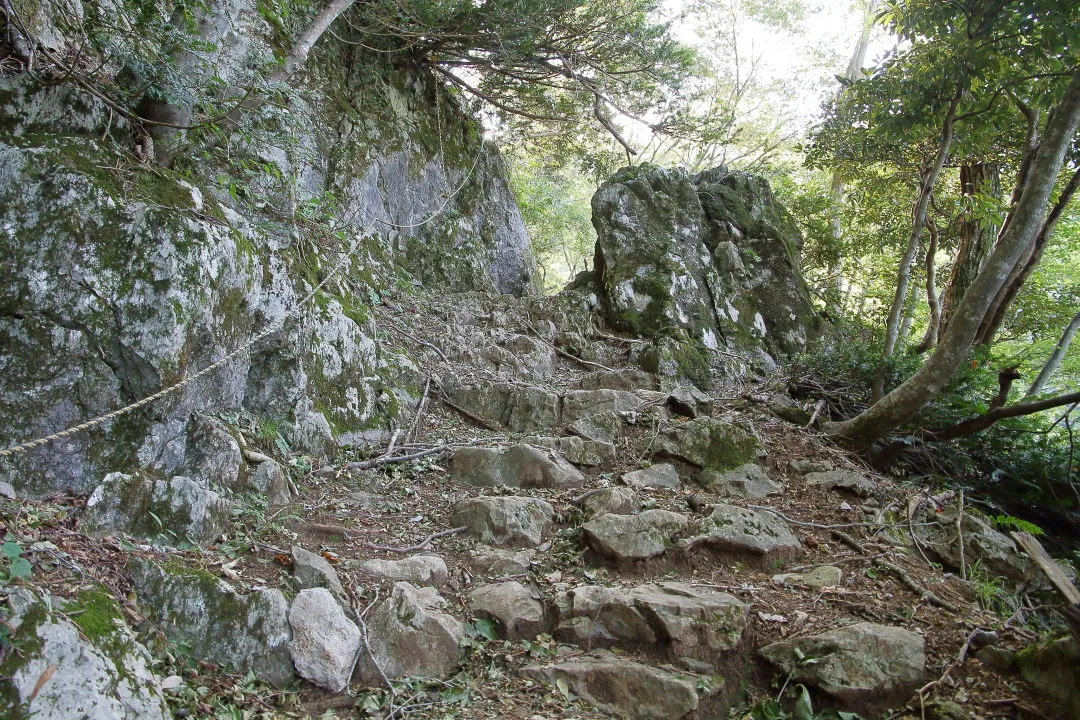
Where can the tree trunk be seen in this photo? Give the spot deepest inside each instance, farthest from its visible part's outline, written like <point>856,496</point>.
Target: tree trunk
<point>903,273</point>
<point>995,315</point>
<point>836,191</point>
<point>1054,361</point>
<point>905,401</point>
<point>930,337</point>
<point>976,236</point>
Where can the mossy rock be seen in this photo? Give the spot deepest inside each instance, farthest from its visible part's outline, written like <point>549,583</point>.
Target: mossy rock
<point>708,444</point>
<point>1053,666</point>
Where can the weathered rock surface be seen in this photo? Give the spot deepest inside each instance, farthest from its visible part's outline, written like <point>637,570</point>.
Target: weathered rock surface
<point>245,632</point>
<point>633,537</point>
<point>733,529</point>
<point>614,500</point>
<point>746,481</point>
<point>605,427</point>
<point>710,261</point>
<point>996,552</point>
<point>849,480</point>
<point>416,569</point>
<point>819,577</point>
<point>688,401</point>
<point>1053,666</point>
<point>519,408</point>
<point>621,687</point>
<point>410,636</point>
<point>628,379</point>
<point>861,663</point>
<point>678,618</point>
<point>708,444</point>
<point>94,669</point>
<point>661,475</point>
<point>520,465</point>
<point>513,521</point>
<point>313,571</point>
<point>494,562</point>
<point>520,616</point>
<point>324,641</point>
<point>270,479</point>
<point>185,509</point>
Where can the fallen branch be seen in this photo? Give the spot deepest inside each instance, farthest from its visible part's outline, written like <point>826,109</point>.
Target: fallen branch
<point>326,529</point>
<point>1057,577</point>
<point>981,422</point>
<point>800,523</point>
<point>417,340</point>
<point>420,545</point>
<point>475,418</point>
<point>902,574</point>
<point>380,461</point>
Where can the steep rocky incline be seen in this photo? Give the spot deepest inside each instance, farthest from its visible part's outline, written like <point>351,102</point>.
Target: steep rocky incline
<point>555,533</point>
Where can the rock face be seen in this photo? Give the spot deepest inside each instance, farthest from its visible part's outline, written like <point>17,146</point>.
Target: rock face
<point>863,663</point>
<point>324,642</point>
<point>98,670</point>
<point>519,614</point>
<point>418,569</point>
<point>708,444</point>
<point>623,688</point>
<point>746,481</point>
<point>733,529</point>
<point>709,261</point>
<point>245,632</point>
<point>513,521</point>
<point>1053,666</point>
<point>120,280</point>
<point>410,636</point>
<point>982,543</point>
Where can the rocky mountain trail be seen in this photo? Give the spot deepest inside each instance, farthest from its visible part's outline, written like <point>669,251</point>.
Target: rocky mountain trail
<point>537,536</point>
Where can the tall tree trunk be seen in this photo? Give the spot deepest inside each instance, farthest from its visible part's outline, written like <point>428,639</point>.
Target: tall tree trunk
<point>996,314</point>
<point>835,292</point>
<point>903,272</point>
<point>976,235</point>
<point>905,401</point>
<point>1054,361</point>
<point>933,326</point>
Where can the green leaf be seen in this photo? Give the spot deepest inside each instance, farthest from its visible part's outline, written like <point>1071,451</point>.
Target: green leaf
<point>804,708</point>
<point>485,628</point>
<point>563,687</point>
<point>12,550</point>
<point>20,568</point>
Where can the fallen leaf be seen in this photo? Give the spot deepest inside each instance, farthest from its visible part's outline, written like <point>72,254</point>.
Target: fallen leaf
<point>767,617</point>
<point>49,671</point>
<point>171,682</point>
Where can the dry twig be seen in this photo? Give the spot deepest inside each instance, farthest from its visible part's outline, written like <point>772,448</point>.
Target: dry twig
<point>420,545</point>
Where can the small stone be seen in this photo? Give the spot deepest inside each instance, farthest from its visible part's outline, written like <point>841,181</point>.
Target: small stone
<point>809,466</point>
<point>500,563</point>
<point>819,577</point>
<point>634,537</point>
<point>312,571</point>
<point>748,481</point>
<point>614,500</point>
<point>519,614</point>
<point>514,521</point>
<point>848,480</point>
<point>696,503</point>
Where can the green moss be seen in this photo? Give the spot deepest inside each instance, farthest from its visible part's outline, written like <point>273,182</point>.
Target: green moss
<point>96,613</point>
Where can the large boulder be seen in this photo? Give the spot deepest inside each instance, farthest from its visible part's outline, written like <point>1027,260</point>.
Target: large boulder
<point>324,641</point>
<point>707,443</point>
<point>86,664</point>
<point>633,537</point>
<point>520,465</point>
<point>710,260</point>
<point>729,528</point>
<point>409,635</point>
<point>861,664</point>
<point>248,633</point>
<point>520,615</point>
<point>510,521</point>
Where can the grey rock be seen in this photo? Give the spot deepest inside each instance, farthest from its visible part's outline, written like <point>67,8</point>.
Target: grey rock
<point>628,379</point>
<point>519,614</point>
<point>313,571</point>
<point>621,687</point>
<point>661,475</point>
<point>513,521</point>
<point>733,529</point>
<point>214,458</point>
<point>519,408</point>
<point>410,636</point>
<point>416,570</point>
<point>809,466</point>
<point>271,479</point>
<point>995,551</point>
<point>860,663</point>
<point>244,632</point>
<point>494,562</point>
<point>534,358</point>
<point>587,453</point>
<point>604,427</point>
<point>580,404</point>
<point>103,673</point>
<point>7,490</point>
<point>708,444</point>
<point>819,577</point>
<point>746,481</point>
<point>614,500</point>
<point>634,537</point>
<point>853,482</point>
<point>520,465</point>
<point>324,641</point>
<point>677,618</point>
<point>185,509</point>
<point>688,401</point>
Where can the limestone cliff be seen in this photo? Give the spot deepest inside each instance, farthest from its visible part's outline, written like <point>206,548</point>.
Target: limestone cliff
<point>121,278</point>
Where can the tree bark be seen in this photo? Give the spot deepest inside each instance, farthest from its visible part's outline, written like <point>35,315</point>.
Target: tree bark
<point>976,236</point>
<point>905,401</point>
<point>1054,361</point>
<point>995,315</point>
<point>930,337</point>
<point>903,272</point>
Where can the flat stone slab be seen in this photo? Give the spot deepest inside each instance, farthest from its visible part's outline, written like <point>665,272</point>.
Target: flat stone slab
<point>819,577</point>
<point>522,465</point>
<point>662,475</point>
<point>505,521</point>
<point>621,687</point>
<point>860,663</point>
<point>417,569</point>
<point>848,480</point>
<point>634,537</point>
<point>748,481</point>
<point>733,529</point>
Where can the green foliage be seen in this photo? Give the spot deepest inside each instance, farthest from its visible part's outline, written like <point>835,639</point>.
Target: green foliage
<point>802,708</point>
<point>15,566</point>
